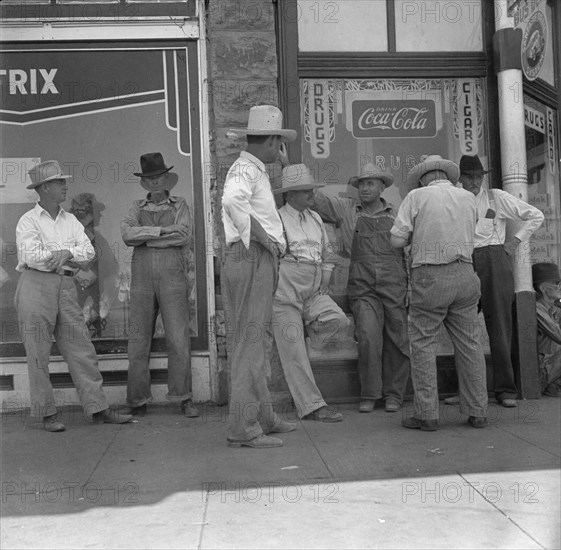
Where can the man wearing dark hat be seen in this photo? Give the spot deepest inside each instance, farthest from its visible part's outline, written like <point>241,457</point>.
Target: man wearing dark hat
<point>377,287</point>
<point>438,220</point>
<point>301,297</point>
<point>547,284</point>
<point>493,264</point>
<point>52,247</point>
<point>254,242</point>
<point>159,228</point>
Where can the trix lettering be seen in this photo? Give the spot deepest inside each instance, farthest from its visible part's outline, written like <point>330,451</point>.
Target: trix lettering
<point>32,81</point>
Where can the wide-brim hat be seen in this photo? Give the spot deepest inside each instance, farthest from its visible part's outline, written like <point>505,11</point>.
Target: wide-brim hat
<point>265,120</point>
<point>297,177</point>
<point>49,170</point>
<point>152,164</point>
<point>430,163</point>
<point>370,170</point>
<point>545,272</point>
<point>472,165</point>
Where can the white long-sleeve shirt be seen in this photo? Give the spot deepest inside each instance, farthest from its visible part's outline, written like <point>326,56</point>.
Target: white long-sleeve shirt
<point>38,235</point>
<point>247,192</point>
<point>491,230</point>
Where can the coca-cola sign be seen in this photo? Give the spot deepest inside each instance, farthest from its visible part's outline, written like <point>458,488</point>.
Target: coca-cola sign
<point>393,118</point>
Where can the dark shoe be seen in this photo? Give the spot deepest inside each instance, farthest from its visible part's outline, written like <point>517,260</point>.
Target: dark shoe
<point>477,421</point>
<point>110,416</point>
<point>259,442</point>
<point>454,400</point>
<point>134,411</point>
<point>418,424</point>
<point>325,414</point>
<point>189,409</point>
<point>392,406</point>
<point>53,424</point>
<point>366,406</point>
<point>509,403</point>
<point>283,427</point>
<point>552,391</point>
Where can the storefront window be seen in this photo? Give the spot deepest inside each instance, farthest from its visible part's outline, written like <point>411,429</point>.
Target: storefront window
<point>97,119</point>
<point>390,122</point>
<point>543,178</point>
<point>348,26</point>
<point>432,26</point>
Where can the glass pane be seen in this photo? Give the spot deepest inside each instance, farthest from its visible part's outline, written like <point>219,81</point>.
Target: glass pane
<point>349,26</point>
<point>431,26</point>
<point>543,178</point>
<point>97,119</point>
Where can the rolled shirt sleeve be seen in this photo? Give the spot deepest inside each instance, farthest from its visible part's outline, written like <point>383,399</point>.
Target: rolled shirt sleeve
<point>518,210</point>
<point>403,223</point>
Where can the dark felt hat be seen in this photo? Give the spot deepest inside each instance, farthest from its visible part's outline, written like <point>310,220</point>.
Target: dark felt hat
<point>545,272</point>
<point>152,164</point>
<point>472,165</point>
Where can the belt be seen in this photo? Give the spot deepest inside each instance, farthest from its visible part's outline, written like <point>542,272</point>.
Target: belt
<point>63,272</point>
<point>292,260</point>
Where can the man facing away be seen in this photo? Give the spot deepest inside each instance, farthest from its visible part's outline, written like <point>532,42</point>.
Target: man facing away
<point>438,220</point>
<point>547,284</point>
<point>492,260</point>
<point>158,227</point>
<point>301,297</point>
<point>52,246</point>
<point>254,243</point>
<point>377,286</point>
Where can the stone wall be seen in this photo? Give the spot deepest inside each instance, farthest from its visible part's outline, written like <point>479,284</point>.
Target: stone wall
<point>242,70</point>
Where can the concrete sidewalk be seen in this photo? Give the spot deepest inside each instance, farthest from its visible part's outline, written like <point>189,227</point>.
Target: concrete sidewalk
<point>171,482</point>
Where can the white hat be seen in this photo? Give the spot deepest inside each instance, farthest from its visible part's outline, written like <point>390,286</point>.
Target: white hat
<point>370,170</point>
<point>296,177</point>
<point>265,120</point>
<point>49,170</point>
<point>430,163</point>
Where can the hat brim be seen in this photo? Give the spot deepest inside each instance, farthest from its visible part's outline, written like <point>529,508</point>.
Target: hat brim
<point>286,135</point>
<point>152,173</point>
<point>50,178</point>
<point>388,180</point>
<point>305,187</point>
<point>417,172</point>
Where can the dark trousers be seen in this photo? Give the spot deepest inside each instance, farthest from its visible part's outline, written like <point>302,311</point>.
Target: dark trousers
<point>494,269</point>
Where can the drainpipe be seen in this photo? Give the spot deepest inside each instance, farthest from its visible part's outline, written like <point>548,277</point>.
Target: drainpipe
<point>506,47</point>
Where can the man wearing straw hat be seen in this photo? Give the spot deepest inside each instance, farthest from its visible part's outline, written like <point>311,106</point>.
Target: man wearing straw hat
<point>492,260</point>
<point>52,246</point>
<point>301,297</point>
<point>159,227</point>
<point>254,243</point>
<point>377,287</point>
<point>438,220</point>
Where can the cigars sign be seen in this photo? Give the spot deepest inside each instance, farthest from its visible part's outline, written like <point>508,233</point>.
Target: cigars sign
<point>393,118</point>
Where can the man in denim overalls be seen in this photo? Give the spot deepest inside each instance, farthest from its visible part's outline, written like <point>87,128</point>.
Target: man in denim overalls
<point>158,227</point>
<point>377,287</point>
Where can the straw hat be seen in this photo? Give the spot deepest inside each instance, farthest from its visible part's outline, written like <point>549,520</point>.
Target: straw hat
<point>265,120</point>
<point>296,177</point>
<point>49,170</point>
<point>370,170</point>
<point>430,163</point>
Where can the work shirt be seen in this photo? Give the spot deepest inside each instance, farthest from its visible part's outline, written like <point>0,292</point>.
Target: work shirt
<point>491,225</point>
<point>38,235</point>
<point>345,213</point>
<point>144,223</point>
<point>306,237</point>
<point>247,193</point>
<point>441,219</point>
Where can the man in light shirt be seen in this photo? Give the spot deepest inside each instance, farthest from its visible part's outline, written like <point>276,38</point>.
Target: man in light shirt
<point>492,260</point>
<point>52,246</point>
<point>254,243</point>
<point>301,297</point>
<point>438,220</point>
